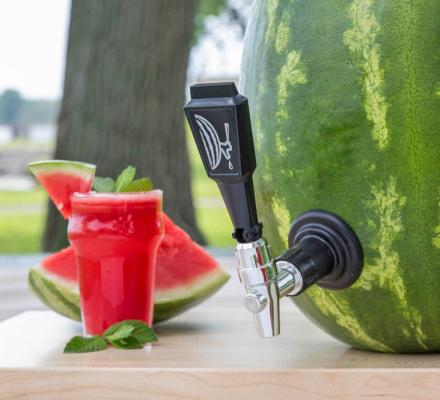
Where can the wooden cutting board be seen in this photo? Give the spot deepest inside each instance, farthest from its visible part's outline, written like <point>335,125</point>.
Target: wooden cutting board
<point>211,352</point>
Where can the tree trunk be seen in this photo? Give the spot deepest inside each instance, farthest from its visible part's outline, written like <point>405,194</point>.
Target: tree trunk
<point>123,96</point>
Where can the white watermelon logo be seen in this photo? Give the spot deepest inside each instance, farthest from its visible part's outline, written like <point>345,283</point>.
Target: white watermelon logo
<point>215,149</point>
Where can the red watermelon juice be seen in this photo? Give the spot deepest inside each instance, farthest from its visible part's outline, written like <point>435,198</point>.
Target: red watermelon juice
<point>115,237</point>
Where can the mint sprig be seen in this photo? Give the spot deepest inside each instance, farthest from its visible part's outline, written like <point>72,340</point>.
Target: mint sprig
<point>125,182</point>
<point>129,334</point>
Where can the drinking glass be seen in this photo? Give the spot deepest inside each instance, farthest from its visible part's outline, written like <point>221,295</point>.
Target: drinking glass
<point>115,237</point>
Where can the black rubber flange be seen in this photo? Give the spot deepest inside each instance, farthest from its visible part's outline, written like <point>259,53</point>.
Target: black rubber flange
<point>344,243</point>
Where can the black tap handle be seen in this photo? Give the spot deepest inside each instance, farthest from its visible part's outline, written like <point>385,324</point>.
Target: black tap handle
<point>219,119</point>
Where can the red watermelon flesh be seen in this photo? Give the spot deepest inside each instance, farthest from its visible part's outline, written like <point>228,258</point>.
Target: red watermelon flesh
<point>61,178</point>
<point>61,264</point>
<point>61,185</point>
<point>179,259</point>
<point>185,275</point>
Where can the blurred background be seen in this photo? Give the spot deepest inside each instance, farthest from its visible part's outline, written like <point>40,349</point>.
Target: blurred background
<point>104,81</point>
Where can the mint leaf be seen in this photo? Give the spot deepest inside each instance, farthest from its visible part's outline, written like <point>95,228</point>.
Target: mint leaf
<point>79,344</point>
<point>143,333</point>
<point>125,178</point>
<point>112,329</point>
<point>103,184</point>
<point>129,343</point>
<point>122,332</point>
<point>130,334</point>
<point>139,185</point>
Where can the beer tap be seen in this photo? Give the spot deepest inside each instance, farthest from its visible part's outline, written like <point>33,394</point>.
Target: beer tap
<point>323,249</point>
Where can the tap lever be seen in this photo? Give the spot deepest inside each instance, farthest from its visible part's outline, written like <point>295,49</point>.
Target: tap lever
<point>220,123</point>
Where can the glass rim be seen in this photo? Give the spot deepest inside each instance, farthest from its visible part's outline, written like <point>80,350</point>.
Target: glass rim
<point>78,199</point>
<point>149,193</point>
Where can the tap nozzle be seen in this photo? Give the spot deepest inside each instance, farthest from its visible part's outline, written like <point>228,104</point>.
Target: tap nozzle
<point>258,274</point>
<point>266,281</point>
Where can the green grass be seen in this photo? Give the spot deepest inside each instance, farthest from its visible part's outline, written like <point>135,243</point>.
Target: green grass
<point>12,199</point>
<point>26,144</point>
<point>21,232</point>
<point>216,226</point>
<point>22,213</point>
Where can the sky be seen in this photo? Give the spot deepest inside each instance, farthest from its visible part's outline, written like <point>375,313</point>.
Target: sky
<point>217,54</point>
<point>33,36</point>
<point>32,46</point>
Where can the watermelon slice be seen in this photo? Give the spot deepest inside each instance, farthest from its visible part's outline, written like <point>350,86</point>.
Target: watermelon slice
<point>186,275</point>
<point>61,178</point>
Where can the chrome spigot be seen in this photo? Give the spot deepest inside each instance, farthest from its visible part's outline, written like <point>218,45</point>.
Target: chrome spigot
<point>259,275</point>
<point>266,282</point>
<point>323,249</point>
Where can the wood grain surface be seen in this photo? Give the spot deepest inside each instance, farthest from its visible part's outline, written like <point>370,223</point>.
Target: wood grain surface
<point>210,352</point>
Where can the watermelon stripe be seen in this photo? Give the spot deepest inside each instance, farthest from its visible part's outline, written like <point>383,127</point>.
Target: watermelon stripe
<point>361,39</point>
<point>272,24</point>
<point>292,73</point>
<point>386,270</point>
<point>282,35</point>
<point>436,238</point>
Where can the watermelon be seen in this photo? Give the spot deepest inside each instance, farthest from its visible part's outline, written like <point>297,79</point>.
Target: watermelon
<point>345,101</point>
<point>185,276</point>
<point>61,178</point>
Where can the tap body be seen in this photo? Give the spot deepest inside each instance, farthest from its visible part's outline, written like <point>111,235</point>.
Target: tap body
<point>323,249</point>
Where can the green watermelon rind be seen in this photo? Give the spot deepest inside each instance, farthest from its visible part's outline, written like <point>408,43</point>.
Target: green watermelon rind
<point>166,307</point>
<point>78,168</point>
<point>63,299</point>
<point>60,298</point>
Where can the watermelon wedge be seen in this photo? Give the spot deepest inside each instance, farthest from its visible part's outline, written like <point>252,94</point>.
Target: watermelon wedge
<point>185,276</point>
<point>61,178</point>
